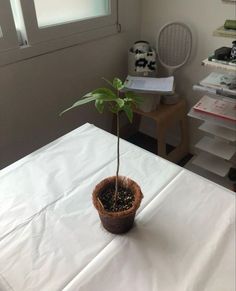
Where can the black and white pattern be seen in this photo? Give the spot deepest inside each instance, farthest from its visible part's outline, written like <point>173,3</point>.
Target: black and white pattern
<point>145,62</point>
<point>142,61</point>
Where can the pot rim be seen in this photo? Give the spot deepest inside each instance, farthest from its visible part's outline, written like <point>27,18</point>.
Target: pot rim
<point>126,182</point>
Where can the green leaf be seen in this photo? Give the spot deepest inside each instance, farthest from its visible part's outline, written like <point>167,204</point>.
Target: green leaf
<point>129,112</point>
<point>128,100</point>
<point>117,84</point>
<point>81,102</point>
<point>90,94</point>
<point>114,108</point>
<point>108,94</point>
<point>120,102</point>
<point>102,95</point>
<point>99,105</point>
<point>135,98</point>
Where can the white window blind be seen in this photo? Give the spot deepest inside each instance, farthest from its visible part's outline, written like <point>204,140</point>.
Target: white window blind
<point>56,12</point>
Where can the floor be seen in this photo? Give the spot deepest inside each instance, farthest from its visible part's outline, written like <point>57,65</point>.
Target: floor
<point>150,144</point>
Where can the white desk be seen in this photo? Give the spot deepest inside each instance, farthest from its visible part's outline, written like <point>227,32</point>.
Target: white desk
<point>51,237</point>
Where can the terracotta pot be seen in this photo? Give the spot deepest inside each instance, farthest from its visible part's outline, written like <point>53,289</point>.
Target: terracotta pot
<point>122,221</point>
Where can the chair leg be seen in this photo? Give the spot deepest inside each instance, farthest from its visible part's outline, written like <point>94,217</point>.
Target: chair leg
<point>180,150</point>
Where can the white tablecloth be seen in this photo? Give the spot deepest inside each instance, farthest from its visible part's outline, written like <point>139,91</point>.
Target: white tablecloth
<point>51,237</point>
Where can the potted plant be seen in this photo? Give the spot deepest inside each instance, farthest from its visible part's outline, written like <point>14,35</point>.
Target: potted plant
<point>116,198</point>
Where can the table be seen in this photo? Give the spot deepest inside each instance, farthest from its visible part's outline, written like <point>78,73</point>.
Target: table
<point>51,237</point>
<point>165,117</point>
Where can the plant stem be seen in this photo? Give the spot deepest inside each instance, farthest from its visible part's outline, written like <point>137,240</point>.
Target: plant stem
<point>118,156</point>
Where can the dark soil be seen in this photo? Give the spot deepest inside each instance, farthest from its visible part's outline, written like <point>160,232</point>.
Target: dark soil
<point>124,201</point>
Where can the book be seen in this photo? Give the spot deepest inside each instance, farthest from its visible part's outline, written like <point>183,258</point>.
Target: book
<point>221,108</point>
<point>150,85</point>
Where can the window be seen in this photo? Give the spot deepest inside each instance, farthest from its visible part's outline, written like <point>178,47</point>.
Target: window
<point>46,19</point>
<point>8,36</point>
<point>54,12</point>
<point>38,26</point>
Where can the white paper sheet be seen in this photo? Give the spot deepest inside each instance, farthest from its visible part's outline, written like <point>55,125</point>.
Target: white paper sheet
<point>183,240</point>
<point>51,237</point>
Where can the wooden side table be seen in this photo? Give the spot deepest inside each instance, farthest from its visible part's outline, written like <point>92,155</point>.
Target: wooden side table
<point>165,117</point>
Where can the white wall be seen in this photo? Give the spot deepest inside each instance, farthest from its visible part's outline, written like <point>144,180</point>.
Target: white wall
<point>33,92</point>
<point>203,17</point>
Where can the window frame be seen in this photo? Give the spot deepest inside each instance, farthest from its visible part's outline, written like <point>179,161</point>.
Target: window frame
<point>15,53</point>
<point>37,34</point>
<point>9,39</point>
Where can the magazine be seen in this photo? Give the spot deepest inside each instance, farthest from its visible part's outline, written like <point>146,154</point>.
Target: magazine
<point>221,108</point>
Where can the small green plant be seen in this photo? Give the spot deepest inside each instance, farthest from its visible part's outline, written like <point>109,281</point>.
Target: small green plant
<point>117,101</point>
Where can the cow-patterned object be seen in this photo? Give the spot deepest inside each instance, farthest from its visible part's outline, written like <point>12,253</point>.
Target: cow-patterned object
<point>142,60</point>
<point>233,51</point>
<point>145,62</point>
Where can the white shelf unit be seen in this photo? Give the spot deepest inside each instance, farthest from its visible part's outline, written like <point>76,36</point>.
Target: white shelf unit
<point>212,164</point>
<point>217,149</point>
<point>219,131</point>
<point>212,119</point>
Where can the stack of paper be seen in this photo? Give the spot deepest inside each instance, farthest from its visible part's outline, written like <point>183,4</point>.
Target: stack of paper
<point>150,85</point>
